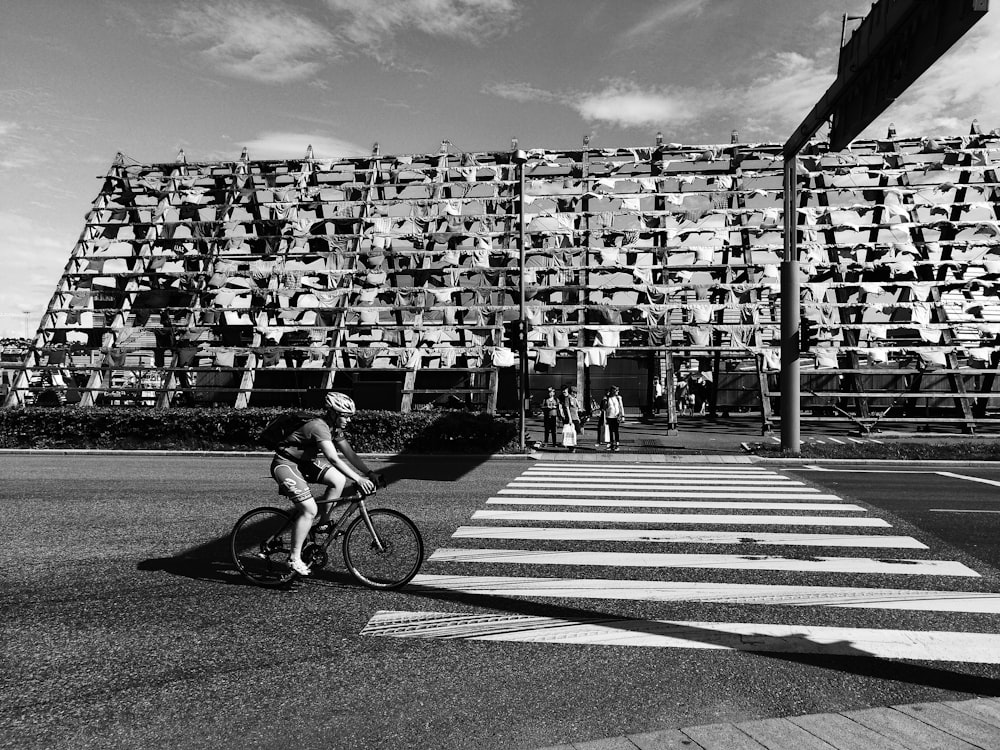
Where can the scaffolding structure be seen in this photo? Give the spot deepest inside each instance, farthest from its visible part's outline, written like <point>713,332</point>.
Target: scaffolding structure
<point>392,277</point>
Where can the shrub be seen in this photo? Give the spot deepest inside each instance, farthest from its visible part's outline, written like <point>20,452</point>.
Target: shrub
<point>223,429</point>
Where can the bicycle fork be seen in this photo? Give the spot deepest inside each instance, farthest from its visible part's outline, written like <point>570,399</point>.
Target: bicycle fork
<point>376,542</point>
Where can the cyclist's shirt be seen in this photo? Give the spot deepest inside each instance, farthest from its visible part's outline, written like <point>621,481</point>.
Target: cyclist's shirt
<point>302,445</point>
<point>299,459</point>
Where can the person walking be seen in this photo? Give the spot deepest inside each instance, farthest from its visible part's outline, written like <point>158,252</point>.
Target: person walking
<point>657,395</point>
<point>550,417</point>
<point>614,412</point>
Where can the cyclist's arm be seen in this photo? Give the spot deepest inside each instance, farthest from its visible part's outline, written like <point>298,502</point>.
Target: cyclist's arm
<point>328,450</point>
<point>348,452</point>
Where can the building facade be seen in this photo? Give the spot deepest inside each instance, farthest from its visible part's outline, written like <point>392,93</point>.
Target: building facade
<point>392,278</point>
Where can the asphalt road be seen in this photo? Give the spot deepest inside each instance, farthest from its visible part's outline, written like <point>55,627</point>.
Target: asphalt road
<point>124,626</point>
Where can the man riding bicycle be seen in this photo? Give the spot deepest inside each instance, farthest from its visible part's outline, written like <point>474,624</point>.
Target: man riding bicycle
<point>310,454</point>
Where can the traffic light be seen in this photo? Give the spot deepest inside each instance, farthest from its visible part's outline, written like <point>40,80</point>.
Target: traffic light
<point>513,334</point>
<point>808,334</point>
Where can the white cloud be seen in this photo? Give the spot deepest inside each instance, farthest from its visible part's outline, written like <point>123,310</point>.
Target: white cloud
<point>266,42</point>
<point>663,14</point>
<point>287,145</point>
<point>520,92</point>
<point>34,256</point>
<point>779,100</point>
<point>374,25</point>
<point>628,105</point>
<point>962,85</point>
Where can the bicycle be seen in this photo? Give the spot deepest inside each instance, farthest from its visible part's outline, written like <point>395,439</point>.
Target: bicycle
<point>382,548</point>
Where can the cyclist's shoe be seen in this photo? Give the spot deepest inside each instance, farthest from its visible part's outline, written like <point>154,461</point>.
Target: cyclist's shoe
<point>324,528</point>
<point>299,567</point>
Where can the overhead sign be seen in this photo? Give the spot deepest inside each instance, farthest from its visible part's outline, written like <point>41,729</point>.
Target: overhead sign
<point>895,43</point>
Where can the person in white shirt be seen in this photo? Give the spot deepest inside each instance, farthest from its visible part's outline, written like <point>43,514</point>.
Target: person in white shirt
<point>614,413</point>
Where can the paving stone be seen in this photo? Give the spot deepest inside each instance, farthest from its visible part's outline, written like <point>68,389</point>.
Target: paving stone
<point>985,709</point>
<point>962,725</point>
<point>722,737</point>
<point>779,734</point>
<point>670,739</point>
<point>845,734</point>
<point>913,733</point>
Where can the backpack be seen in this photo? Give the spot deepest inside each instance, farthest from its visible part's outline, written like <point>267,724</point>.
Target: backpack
<point>277,431</point>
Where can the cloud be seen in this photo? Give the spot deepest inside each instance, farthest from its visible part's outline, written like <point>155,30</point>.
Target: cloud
<point>628,105</point>
<point>620,103</point>
<point>372,26</point>
<point>775,103</point>
<point>663,14</point>
<point>520,92</point>
<point>962,85</point>
<point>34,256</point>
<point>287,145</point>
<point>265,42</point>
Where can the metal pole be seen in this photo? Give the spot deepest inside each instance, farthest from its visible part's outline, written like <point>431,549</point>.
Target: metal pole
<point>522,353</point>
<point>790,316</point>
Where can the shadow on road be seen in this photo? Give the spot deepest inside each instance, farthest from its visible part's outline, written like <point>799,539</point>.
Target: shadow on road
<point>859,662</point>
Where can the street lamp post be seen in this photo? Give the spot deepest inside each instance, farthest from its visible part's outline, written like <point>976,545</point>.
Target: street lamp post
<point>520,157</point>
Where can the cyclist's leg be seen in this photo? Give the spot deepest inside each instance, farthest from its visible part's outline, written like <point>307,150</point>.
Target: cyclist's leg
<point>294,486</point>
<point>335,483</point>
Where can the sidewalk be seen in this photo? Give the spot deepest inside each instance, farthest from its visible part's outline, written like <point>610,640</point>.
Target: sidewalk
<point>948,725</point>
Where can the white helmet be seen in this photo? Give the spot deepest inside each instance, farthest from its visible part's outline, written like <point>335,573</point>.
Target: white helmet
<point>340,402</point>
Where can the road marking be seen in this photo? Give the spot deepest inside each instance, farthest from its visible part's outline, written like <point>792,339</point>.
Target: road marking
<point>700,492</point>
<point>686,537</point>
<point>725,519</point>
<point>717,593</point>
<point>838,442</point>
<point>855,440</point>
<point>559,480</point>
<point>695,476</point>
<point>952,510</point>
<point>980,648</point>
<point>612,483</point>
<point>716,562</point>
<point>969,479</point>
<point>637,468</point>
<point>621,503</point>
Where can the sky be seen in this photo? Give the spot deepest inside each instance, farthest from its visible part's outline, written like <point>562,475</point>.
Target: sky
<point>81,80</point>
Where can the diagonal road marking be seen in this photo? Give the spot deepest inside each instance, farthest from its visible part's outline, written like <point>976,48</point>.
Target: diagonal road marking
<point>980,648</point>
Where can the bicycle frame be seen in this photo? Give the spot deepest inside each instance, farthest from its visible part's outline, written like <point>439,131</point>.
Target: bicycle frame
<point>355,502</point>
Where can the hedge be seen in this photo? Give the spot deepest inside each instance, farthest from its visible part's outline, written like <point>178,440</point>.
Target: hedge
<point>227,429</point>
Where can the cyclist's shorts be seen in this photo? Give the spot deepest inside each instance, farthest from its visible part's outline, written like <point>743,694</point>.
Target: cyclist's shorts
<point>293,478</point>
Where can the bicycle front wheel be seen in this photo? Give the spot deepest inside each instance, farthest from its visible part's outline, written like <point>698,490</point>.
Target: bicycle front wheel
<point>260,544</point>
<point>392,559</point>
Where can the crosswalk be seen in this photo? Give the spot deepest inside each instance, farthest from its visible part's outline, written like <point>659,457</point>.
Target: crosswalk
<point>541,522</point>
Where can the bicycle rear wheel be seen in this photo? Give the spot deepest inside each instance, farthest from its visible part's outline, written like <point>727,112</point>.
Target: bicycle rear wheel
<point>260,545</point>
<point>390,565</point>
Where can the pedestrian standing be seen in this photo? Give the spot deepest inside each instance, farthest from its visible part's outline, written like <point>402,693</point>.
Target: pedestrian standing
<point>569,413</point>
<point>603,435</point>
<point>657,395</point>
<point>614,414</point>
<point>550,417</point>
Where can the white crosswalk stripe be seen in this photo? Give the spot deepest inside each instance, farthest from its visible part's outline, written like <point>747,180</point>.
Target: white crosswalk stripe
<point>603,502</point>
<point>716,562</point>
<point>678,518</point>
<point>744,506</point>
<point>557,533</point>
